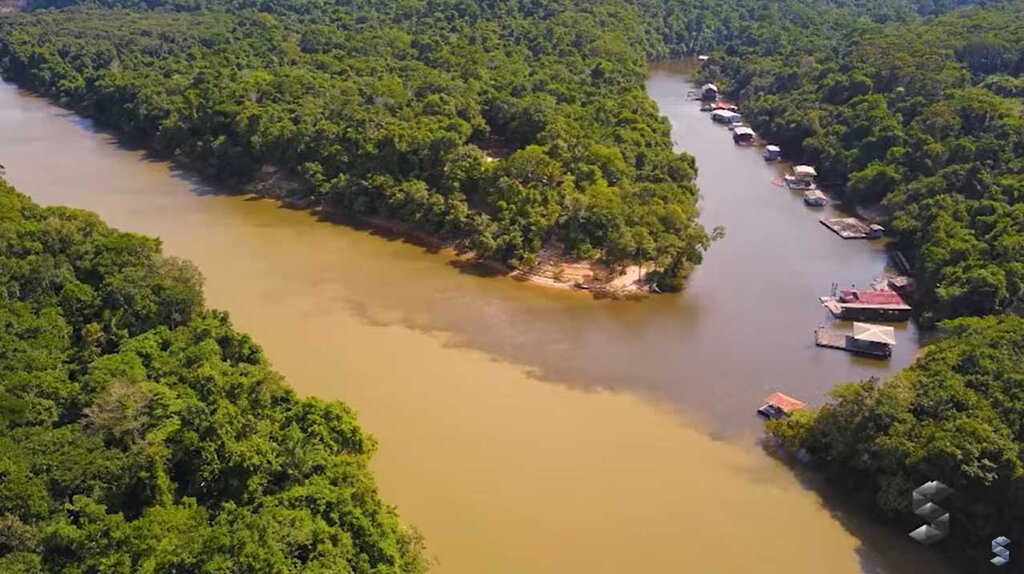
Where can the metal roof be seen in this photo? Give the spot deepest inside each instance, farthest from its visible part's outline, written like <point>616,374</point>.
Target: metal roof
<point>784,402</point>
<point>725,114</point>
<point>741,130</point>
<point>804,170</point>
<point>874,333</point>
<point>707,87</point>
<point>772,148</point>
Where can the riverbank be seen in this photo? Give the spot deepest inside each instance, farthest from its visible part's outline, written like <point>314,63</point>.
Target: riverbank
<point>551,268</point>
<point>529,430</point>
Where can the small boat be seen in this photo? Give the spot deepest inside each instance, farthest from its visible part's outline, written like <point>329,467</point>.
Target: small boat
<point>771,153</point>
<point>779,406</point>
<point>813,197</point>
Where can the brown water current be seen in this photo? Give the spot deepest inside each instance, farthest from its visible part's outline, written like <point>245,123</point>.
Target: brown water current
<point>524,429</point>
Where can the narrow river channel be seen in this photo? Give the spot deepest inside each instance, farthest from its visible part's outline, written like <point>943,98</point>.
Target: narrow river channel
<point>524,429</point>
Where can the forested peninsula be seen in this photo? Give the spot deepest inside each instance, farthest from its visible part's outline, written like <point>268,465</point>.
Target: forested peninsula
<point>139,432</point>
<point>503,127</point>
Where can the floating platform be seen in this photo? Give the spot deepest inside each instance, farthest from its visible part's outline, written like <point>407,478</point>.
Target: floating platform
<point>853,228</point>
<point>868,340</point>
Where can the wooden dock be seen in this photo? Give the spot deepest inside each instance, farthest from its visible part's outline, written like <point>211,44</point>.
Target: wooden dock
<point>852,228</point>
<point>824,337</point>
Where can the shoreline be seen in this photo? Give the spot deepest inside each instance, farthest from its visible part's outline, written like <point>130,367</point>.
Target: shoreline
<point>552,270</point>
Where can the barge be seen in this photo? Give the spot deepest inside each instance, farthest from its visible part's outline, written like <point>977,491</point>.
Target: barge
<point>867,305</point>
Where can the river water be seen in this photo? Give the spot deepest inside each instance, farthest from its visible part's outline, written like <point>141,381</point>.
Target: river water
<point>523,429</point>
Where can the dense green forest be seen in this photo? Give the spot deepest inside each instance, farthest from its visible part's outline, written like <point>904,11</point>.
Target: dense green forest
<point>507,125</point>
<point>919,119</point>
<point>140,433</point>
<point>911,110</point>
<point>956,415</point>
<point>501,125</point>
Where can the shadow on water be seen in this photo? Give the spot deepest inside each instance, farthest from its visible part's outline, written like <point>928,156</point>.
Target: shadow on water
<point>886,546</point>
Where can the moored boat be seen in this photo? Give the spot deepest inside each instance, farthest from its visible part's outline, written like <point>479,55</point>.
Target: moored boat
<point>813,197</point>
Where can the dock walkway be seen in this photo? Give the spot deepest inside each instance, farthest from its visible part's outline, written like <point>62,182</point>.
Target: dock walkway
<point>852,228</point>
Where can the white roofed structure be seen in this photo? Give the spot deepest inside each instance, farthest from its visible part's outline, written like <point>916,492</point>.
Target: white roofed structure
<point>804,171</point>
<point>874,333</point>
<point>725,116</point>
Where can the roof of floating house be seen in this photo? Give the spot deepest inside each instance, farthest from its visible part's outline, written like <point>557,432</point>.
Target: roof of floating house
<point>703,58</point>
<point>784,402</point>
<point>725,114</point>
<point>874,333</point>
<point>804,171</point>
<point>707,87</point>
<point>743,131</point>
<point>770,147</point>
<point>871,298</point>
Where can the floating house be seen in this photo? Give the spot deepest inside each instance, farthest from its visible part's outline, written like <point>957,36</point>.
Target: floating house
<point>815,198</point>
<point>772,153</point>
<point>867,339</point>
<point>805,172</point>
<point>778,406</point>
<point>867,304</point>
<point>743,135</point>
<point>802,177</point>
<point>725,117</point>
<point>709,92</point>
<point>702,58</point>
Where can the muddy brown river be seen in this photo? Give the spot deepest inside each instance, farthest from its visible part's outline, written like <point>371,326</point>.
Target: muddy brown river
<point>523,429</point>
